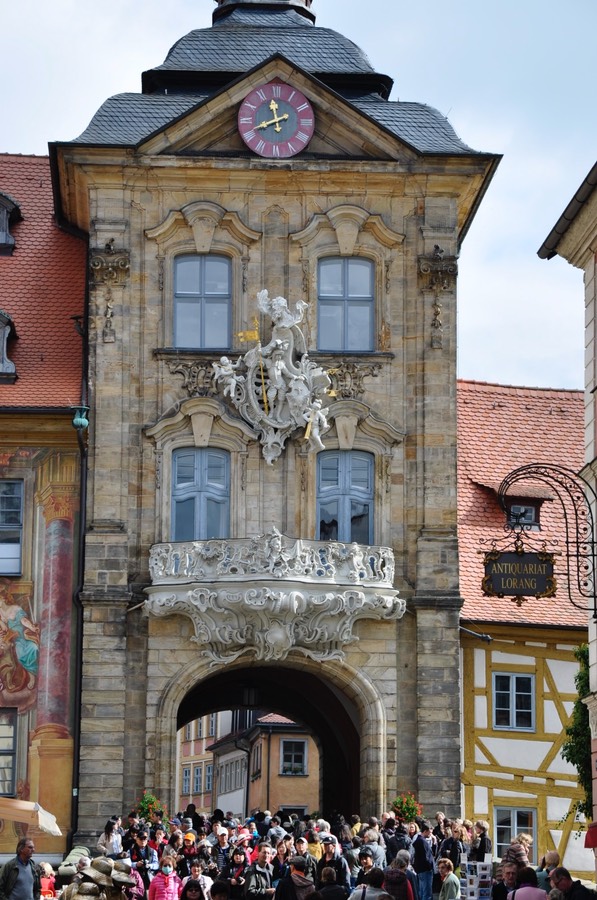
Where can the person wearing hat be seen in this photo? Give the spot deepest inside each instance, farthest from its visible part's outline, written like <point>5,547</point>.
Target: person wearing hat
<point>221,852</point>
<point>20,878</point>
<point>186,855</point>
<point>243,840</point>
<point>144,858</point>
<point>331,859</point>
<point>302,850</point>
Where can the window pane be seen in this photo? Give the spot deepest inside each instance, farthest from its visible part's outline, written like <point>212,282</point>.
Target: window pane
<point>331,325</point>
<point>217,469</point>
<point>330,278</point>
<point>359,325</point>
<point>328,471</point>
<point>359,522</point>
<point>360,471</point>
<point>217,325</point>
<point>187,275</point>
<point>502,683</point>
<point>187,323</point>
<point>217,275</point>
<point>216,516</point>
<point>184,520</point>
<point>328,521</point>
<point>360,278</point>
<point>10,502</point>
<point>10,552</point>
<point>185,468</point>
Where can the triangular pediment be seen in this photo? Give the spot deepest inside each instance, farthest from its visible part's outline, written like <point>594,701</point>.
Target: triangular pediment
<point>341,130</point>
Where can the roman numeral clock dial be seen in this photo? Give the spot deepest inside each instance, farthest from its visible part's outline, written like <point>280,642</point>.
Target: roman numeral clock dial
<point>276,121</point>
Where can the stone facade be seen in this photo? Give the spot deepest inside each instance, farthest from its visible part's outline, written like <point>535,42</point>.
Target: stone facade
<point>391,689</point>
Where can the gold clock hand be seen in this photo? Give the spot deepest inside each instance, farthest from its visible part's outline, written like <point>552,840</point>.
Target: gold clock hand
<point>275,122</point>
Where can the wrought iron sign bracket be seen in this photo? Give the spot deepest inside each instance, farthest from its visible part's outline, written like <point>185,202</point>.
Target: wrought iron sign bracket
<point>578,500</point>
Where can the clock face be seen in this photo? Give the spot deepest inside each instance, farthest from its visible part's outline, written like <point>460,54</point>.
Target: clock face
<point>276,121</point>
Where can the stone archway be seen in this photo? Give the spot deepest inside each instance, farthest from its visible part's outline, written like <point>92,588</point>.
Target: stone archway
<point>340,704</point>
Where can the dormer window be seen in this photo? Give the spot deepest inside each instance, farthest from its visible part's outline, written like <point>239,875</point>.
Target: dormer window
<point>10,214</point>
<point>525,515</point>
<point>8,373</point>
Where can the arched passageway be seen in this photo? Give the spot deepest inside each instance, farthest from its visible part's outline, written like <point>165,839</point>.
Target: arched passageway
<point>304,697</point>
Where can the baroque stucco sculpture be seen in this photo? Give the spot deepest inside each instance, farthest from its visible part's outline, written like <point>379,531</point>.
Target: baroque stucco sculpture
<point>268,595</point>
<point>277,388</point>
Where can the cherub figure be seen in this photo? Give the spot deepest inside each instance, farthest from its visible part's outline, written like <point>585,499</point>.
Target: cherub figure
<point>226,372</point>
<point>316,419</point>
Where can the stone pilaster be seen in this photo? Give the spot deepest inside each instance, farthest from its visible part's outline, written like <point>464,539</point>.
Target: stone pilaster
<point>437,658</point>
<point>105,706</point>
<point>51,749</point>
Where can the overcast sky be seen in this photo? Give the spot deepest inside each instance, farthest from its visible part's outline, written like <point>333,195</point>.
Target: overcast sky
<point>515,78</point>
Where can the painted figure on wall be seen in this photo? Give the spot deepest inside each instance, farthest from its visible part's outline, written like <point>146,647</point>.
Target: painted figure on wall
<point>19,656</point>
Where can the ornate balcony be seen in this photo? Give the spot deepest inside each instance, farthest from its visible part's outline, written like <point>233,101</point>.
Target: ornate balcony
<point>268,595</point>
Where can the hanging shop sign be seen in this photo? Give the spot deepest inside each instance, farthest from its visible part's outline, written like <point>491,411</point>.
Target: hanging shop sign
<point>512,574</point>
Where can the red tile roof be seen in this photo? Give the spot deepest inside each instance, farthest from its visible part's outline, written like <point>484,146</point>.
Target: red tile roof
<point>41,286</point>
<point>274,719</point>
<point>499,429</point>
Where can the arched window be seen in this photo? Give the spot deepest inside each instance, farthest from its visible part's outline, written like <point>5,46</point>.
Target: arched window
<point>200,494</point>
<point>202,302</point>
<point>345,304</point>
<point>345,496</point>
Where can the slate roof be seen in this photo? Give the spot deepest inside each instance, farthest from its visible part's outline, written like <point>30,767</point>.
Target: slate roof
<point>129,119</point>
<point>499,429</point>
<point>242,41</point>
<point>246,38</point>
<point>41,286</point>
<point>421,126</point>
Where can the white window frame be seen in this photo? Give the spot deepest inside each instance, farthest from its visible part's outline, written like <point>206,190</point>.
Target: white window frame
<point>513,693</point>
<point>200,727</point>
<point>201,298</point>
<point>213,724</point>
<point>11,521</point>
<point>285,766</point>
<point>188,732</point>
<point>198,780</point>
<point>209,770</point>
<point>186,780</point>
<point>343,302</point>
<point>503,834</point>
<point>345,493</point>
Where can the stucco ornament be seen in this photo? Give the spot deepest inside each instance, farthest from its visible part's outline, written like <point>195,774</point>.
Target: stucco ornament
<point>277,388</point>
<point>268,595</point>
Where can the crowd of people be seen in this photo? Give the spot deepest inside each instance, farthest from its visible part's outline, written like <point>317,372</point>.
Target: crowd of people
<point>193,857</point>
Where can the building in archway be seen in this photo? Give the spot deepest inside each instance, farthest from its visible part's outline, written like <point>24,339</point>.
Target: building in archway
<point>259,515</point>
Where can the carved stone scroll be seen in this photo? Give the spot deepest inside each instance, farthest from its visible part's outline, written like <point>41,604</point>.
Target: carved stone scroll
<point>267,596</point>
